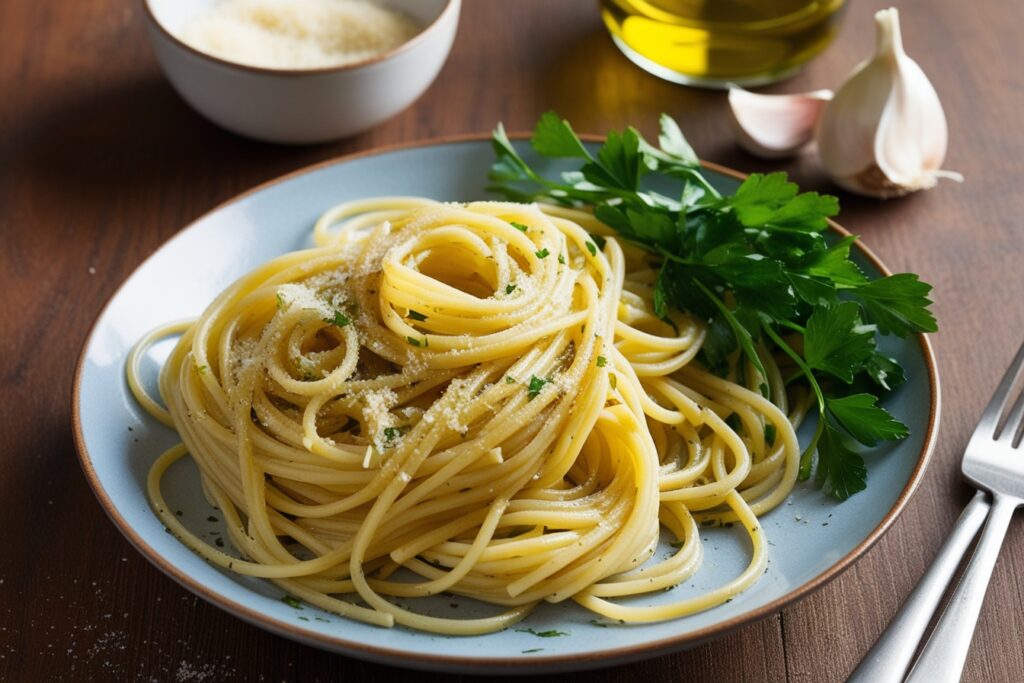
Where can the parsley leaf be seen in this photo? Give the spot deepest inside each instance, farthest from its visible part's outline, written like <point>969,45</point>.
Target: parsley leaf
<point>772,200</point>
<point>518,226</point>
<point>554,137</point>
<point>865,421</point>
<point>898,304</point>
<point>543,253</point>
<point>837,342</point>
<point>416,315</point>
<point>841,471</point>
<point>884,371</point>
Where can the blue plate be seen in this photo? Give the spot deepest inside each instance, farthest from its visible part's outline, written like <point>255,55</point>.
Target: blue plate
<point>813,538</point>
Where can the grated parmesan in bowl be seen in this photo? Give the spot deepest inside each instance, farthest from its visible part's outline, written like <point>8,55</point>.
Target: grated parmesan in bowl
<point>301,71</point>
<point>297,34</point>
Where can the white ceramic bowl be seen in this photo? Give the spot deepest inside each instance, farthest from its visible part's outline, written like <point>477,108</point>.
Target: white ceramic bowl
<point>303,105</point>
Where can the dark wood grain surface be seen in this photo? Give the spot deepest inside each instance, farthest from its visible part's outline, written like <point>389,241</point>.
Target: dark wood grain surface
<point>100,162</point>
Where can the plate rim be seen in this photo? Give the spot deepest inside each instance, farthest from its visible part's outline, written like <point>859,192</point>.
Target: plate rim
<point>404,658</point>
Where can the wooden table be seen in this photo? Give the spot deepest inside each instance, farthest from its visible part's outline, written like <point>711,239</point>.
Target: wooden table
<point>100,162</point>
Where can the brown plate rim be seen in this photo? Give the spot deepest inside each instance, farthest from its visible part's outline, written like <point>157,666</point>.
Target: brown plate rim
<point>450,6</point>
<point>399,657</point>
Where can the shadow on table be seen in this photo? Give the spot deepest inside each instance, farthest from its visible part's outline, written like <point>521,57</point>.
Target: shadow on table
<point>86,145</point>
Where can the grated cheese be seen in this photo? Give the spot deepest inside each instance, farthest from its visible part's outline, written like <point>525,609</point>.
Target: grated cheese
<point>297,34</point>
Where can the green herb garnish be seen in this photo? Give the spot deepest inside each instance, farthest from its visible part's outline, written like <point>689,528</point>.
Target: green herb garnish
<point>552,633</point>
<point>416,315</point>
<point>755,265</point>
<point>510,288</point>
<point>519,226</point>
<point>536,384</point>
<point>601,361</point>
<point>392,433</point>
<point>561,259</point>
<point>509,379</point>
<point>418,343</point>
<point>291,602</point>
<point>338,320</point>
<point>543,253</point>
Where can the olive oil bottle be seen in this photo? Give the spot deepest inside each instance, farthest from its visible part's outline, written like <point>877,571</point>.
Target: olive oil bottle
<point>719,42</point>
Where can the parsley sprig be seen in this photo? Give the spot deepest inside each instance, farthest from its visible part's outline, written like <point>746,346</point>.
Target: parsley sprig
<point>756,265</point>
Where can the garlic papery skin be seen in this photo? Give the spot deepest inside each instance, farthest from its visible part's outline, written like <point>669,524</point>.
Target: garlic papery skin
<point>884,133</point>
<point>775,126</point>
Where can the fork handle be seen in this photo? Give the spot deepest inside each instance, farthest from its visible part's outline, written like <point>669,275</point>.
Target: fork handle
<point>943,657</point>
<point>889,659</point>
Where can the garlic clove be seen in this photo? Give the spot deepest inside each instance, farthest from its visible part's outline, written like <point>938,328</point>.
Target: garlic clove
<point>775,126</point>
<point>884,133</point>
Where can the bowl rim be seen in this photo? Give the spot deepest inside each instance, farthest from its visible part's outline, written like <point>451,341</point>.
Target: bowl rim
<point>450,7</point>
<point>469,664</point>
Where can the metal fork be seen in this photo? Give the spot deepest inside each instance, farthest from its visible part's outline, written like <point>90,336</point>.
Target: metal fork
<point>992,462</point>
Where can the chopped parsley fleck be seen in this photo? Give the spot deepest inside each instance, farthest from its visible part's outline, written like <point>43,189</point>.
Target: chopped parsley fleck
<point>280,301</point>
<point>416,315</point>
<point>543,253</point>
<point>303,618</point>
<point>392,433</point>
<point>552,633</point>
<point>561,259</point>
<point>601,361</point>
<point>519,226</point>
<point>592,248</point>
<point>509,379</point>
<point>202,369</point>
<point>510,288</point>
<point>536,384</point>
<point>418,343</point>
<point>291,601</point>
<point>339,319</point>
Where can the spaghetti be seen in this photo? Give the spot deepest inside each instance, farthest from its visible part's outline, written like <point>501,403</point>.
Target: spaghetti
<point>478,395</point>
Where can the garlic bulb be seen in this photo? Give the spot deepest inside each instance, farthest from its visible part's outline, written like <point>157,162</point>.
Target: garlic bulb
<point>884,133</point>
<point>775,126</point>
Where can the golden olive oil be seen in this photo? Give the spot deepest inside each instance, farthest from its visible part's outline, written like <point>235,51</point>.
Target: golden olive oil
<point>718,42</point>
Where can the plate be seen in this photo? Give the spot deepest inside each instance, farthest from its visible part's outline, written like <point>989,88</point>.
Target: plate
<point>812,537</point>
